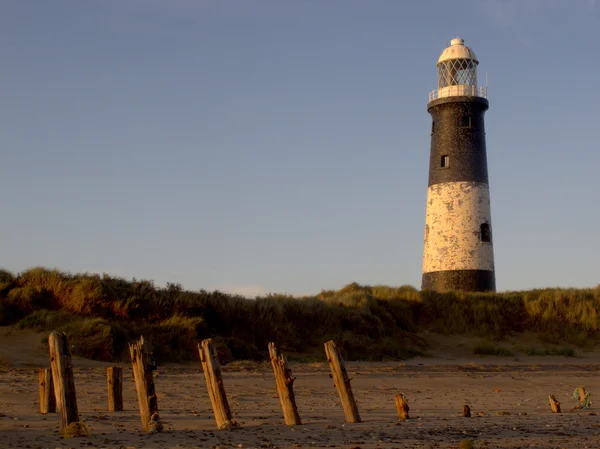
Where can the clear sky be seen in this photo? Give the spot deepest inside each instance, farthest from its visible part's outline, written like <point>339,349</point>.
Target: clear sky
<point>282,145</point>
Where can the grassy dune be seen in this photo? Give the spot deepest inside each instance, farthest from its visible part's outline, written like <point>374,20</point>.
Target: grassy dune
<point>100,314</point>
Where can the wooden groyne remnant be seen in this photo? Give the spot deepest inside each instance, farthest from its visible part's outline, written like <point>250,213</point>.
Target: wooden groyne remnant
<point>63,380</point>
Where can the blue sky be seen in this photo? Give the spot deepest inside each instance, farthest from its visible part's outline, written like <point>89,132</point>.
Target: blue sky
<point>282,145</point>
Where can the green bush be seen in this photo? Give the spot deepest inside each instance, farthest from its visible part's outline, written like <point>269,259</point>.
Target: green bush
<point>7,280</point>
<point>46,320</point>
<point>566,351</point>
<point>30,298</point>
<point>6,276</point>
<point>490,349</point>
<point>96,339</point>
<point>175,338</point>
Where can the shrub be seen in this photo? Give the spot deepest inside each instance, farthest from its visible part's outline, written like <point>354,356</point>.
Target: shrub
<point>175,338</point>
<point>6,276</point>
<point>46,320</point>
<point>566,351</point>
<point>27,299</point>
<point>7,280</point>
<point>490,349</point>
<point>95,338</point>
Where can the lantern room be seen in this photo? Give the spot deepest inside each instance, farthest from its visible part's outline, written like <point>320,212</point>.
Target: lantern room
<point>457,72</point>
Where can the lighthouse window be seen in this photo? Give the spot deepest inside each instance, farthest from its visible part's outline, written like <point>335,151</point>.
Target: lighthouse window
<point>486,234</point>
<point>457,72</point>
<point>432,127</point>
<point>465,121</point>
<point>445,161</point>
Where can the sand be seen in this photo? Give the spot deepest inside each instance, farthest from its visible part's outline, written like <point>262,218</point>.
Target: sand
<point>507,396</point>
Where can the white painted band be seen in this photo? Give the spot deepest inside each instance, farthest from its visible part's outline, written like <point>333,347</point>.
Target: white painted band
<point>453,241</point>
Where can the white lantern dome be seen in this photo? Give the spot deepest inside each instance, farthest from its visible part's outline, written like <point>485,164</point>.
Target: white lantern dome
<point>457,50</point>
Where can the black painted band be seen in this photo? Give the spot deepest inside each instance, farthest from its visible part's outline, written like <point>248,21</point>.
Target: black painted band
<point>458,151</point>
<point>465,280</point>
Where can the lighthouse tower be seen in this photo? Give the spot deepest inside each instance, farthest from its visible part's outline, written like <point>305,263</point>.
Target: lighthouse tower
<point>458,250</point>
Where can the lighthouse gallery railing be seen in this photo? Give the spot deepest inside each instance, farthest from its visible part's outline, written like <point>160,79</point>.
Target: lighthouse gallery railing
<point>458,90</point>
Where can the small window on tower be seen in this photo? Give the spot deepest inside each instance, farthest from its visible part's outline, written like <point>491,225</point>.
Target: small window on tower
<point>445,161</point>
<point>432,127</point>
<point>465,121</point>
<point>486,234</point>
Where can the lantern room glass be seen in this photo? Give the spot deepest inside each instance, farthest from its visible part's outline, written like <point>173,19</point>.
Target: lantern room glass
<point>454,72</point>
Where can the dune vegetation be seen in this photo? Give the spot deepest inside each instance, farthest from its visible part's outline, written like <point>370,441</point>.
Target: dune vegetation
<point>101,314</point>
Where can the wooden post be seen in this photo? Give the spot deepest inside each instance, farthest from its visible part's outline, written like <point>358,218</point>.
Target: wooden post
<point>144,384</point>
<point>342,382</point>
<point>466,411</point>
<point>583,396</point>
<point>63,380</point>
<point>114,381</point>
<point>554,404</point>
<point>47,398</point>
<point>402,407</point>
<point>285,386</point>
<point>214,384</point>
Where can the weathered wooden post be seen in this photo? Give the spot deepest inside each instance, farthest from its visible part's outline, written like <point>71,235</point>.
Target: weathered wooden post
<point>114,381</point>
<point>214,384</point>
<point>144,386</point>
<point>47,398</point>
<point>342,382</point>
<point>402,407</point>
<point>285,386</point>
<point>63,380</point>
<point>466,411</point>
<point>583,396</point>
<point>554,404</point>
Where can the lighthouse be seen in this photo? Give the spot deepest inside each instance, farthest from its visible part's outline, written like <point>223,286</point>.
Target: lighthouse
<point>458,246</point>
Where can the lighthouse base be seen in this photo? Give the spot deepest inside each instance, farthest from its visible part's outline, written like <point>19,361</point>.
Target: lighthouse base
<point>464,280</point>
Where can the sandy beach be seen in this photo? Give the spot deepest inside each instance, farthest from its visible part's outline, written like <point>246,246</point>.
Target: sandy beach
<point>507,396</point>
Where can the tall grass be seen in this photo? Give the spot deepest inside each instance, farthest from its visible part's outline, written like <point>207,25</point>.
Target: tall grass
<point>101,313</point>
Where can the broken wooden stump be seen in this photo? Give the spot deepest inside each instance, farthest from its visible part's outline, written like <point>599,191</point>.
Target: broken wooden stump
<point>144,384</point>
<point>114,383</point>
<point>155,426</point>
<point>554,404</point>
<point>466,411</point>
<point>583,396</point>
<point>342,382</point>
<point>47,398</point>
<point>402,406</point>
<point>63,380</point>
<point>285,386</point>
<point>214,384</point>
